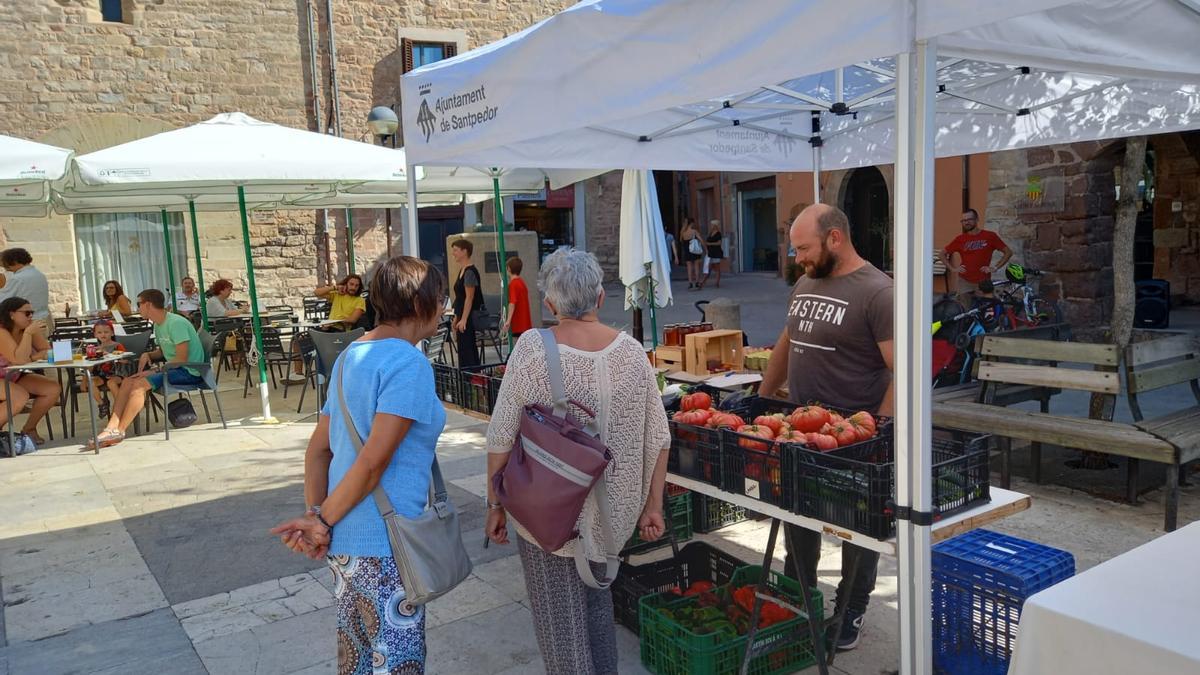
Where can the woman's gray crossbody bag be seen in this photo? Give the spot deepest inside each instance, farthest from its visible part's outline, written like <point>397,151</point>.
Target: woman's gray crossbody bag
<point>428,549</point>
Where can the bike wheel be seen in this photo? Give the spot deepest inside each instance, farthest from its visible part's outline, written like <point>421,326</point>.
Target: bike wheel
<point>1046,312</point>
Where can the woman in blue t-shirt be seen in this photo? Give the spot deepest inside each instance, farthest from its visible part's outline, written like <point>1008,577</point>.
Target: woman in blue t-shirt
<point>390,395</point>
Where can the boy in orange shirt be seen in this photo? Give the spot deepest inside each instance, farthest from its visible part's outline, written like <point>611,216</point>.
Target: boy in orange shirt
<point>517,318</point>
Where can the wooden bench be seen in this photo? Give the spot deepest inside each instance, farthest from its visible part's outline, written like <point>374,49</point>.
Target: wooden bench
<point>1163,363</point>
<point>1009,361</point>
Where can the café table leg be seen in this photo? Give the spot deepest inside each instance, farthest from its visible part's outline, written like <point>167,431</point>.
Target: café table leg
<point>92,416</point>
<point>12,437</point>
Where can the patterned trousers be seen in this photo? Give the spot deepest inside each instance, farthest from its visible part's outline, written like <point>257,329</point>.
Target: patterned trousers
<point>575,627</point>
<point>378,631</point>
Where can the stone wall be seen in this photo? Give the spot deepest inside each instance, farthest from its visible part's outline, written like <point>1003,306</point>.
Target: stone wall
<point>64,73</point>
<point>1177,213</point>
<point>603,204</point>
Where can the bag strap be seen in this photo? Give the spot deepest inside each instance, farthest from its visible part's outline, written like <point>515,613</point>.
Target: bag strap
<point>437,486</point>
<point>558,395</point>
<point>612,558</point>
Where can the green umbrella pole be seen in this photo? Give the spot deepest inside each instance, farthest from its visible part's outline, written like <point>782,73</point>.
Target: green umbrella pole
<point>256,321</point>
<point>199,267</point>
<point>170,262</point>
<point>350,241</point>
<point>500,242</point>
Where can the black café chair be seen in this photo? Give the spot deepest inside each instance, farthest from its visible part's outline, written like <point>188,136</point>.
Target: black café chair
<point>209,344</point>
<point>328,346</point>
<point>277,358</point>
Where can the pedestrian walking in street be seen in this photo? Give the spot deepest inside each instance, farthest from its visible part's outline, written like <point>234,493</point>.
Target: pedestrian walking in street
<point>394,407</point>
<point>714,251</point>
<point>606,372</point>
<point>693,251</point>
<point>836,349</point>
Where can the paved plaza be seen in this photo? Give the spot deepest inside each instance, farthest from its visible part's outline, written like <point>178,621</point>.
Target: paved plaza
<point>154,557</point>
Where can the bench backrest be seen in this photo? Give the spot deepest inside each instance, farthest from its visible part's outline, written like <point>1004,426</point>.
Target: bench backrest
<point>1011,360</point>
<point>1164,362</point>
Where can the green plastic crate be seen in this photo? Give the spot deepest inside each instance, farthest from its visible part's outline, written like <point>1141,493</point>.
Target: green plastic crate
<point>678,514</point>
<point>668,648</point>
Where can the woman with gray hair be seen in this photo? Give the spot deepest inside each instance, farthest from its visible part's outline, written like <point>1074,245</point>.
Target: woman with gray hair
<point>608,372</point>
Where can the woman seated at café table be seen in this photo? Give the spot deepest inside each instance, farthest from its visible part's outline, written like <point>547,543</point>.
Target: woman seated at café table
<point>218,303</point>
<point>114,300</point>
<point>23,340</point>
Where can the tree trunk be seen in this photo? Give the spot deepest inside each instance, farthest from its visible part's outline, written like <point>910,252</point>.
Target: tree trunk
<point>1128,207</point>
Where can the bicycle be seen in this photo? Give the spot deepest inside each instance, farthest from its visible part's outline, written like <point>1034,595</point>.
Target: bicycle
<point>953,347</point>
<point>1020,305</point>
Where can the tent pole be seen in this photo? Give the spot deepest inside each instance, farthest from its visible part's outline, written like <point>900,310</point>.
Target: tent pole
<point>916,78</point>
<point>412,244</point>
<point>170,262</point>
<point>816,156</point>
<point>503,259</point>
<point>349,241</point>
<point>653,316</point>
<point>199,266</point>
<point>256,321</point>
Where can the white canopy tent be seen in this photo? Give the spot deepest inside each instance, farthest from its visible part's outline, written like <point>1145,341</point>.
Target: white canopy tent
<point>26,171</point>
<point>644,260</point>
<point>735,86</point>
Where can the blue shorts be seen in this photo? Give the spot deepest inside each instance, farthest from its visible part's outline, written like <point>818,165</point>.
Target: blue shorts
<point>178,376</point>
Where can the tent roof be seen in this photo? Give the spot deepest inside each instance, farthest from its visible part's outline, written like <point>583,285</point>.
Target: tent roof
<point>26,168</point>
<point>1014,74</point>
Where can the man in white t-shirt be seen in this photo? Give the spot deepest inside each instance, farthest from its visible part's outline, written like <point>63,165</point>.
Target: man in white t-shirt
<point>187,300</point>
<point>24,281</point>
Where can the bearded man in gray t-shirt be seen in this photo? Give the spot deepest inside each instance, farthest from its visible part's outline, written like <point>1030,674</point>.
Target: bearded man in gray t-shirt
<point>836,349</point>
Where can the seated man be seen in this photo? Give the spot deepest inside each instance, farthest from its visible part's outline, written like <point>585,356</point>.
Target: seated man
<point>177,341</point>
<point>346,306</point>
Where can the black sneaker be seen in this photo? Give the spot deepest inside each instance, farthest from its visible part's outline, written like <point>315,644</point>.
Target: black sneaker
<point>851,631</point>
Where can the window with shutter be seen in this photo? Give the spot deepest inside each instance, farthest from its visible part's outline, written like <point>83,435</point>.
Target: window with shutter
<point>421,53</point>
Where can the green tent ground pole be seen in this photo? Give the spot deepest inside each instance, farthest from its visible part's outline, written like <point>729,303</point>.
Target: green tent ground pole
<point>502,261</point>
<point>166,223</point>
<point>263,391</point>
<point>349,241</point>
<point>199,266</point>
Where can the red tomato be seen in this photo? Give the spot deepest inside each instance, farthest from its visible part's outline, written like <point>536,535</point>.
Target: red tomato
<point>808,418</point>
<point>865,420</point>
<point>790,436</point>
<point>699,587</point>
<point>693,417</point>
<point>724,420</point>
<point>696,401</point>
<point>819,441</point>
<point>835,418</point>
<point>760,432</point>
<point>841,432</point>
<point>860,432</point>
<point>775,424</point>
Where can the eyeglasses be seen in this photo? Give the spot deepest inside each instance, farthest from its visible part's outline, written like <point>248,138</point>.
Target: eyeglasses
<point>27,312</point>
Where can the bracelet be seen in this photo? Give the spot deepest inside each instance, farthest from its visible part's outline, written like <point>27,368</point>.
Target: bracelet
<point>316,511</point>
<point>495,506</point>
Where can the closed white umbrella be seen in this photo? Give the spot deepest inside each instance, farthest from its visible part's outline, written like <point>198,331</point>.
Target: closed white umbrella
<point>26,171</point>
<point>644,266</point>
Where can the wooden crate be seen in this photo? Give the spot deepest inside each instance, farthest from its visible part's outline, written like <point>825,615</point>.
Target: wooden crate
<point>670,358</point>
<point>724,346</point>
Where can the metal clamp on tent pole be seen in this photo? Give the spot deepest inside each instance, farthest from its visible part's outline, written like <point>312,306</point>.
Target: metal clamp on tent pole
<point>922,518</point>
<point>816,141</point>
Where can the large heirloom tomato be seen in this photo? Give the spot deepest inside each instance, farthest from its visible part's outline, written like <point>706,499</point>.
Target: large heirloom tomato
<point>696,401</point>
<point>808,418</point>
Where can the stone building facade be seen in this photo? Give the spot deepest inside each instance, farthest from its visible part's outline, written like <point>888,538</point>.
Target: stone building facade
<point>71,78</point>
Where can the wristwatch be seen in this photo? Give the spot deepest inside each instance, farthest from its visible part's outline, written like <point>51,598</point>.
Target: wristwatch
<point>316,511</point>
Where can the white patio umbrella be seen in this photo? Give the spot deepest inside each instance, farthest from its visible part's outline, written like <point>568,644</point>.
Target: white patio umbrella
<point>233,157</point>
<point>644,266</point>
<point>26,171</point>
<point>726,85</point>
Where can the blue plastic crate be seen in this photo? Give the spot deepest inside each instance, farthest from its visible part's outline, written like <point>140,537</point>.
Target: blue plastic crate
<point>980,582</point>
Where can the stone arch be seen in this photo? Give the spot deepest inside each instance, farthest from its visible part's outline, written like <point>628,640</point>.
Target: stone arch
<point>96,132</point>
<point>865,195</point>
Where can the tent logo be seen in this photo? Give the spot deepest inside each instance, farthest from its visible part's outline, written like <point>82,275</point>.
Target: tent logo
<point>425,117</point>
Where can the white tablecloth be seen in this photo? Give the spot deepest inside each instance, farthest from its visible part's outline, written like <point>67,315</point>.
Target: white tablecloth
<point>1138,613</point>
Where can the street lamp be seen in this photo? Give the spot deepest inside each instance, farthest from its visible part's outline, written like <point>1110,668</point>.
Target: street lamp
<point>383,123</point>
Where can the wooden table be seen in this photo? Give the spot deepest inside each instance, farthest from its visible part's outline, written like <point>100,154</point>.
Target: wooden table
<point>79,364</point>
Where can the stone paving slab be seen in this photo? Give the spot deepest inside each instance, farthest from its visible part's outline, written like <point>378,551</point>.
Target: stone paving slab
<point>297,644</point>
<point>151,642</point>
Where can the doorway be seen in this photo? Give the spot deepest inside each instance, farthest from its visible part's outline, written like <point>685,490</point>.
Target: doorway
<point>865,202</point>
<point>760,244</point>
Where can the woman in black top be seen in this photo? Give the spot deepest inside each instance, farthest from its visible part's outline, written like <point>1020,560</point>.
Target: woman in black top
<point>468,298</point>
<point>715,250</point>
<point>690,258</point>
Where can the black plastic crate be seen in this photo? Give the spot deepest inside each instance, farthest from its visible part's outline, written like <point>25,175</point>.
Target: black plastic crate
<point>478,387</point>
<point>696,451</point>
<point>446,382</point>
<point>710,514</point>
<point>853,487</point>
<point>696,561</point>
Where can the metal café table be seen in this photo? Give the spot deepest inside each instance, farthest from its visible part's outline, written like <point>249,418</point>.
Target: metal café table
<point>79,364</point>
